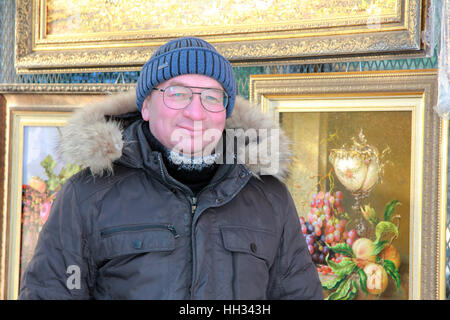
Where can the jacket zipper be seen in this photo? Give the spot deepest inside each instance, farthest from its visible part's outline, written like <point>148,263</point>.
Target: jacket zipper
<point>111,231</point>
<point>193,201</point>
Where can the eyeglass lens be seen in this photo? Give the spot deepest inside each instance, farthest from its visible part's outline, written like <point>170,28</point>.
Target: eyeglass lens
<point>178,97</point>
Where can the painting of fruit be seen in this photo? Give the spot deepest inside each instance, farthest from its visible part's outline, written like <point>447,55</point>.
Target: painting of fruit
<point>351,183</point>
<point>349,265</point>
<point>352,262</point>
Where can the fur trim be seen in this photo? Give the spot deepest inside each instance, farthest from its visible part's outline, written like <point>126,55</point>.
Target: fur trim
<point>89,140</point>
<point>266,140</point>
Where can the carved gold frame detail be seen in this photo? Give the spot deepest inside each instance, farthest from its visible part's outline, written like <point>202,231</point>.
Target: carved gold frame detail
<point>393,35</point>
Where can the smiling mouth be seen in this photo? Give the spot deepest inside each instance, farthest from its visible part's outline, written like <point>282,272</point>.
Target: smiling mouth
<point>192,131</point>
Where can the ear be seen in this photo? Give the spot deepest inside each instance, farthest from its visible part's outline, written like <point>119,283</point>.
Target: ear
<point>144,111</point>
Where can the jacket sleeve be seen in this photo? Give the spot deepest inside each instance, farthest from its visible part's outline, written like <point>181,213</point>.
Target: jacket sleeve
<point>293,274</point>
<point>59,268</point>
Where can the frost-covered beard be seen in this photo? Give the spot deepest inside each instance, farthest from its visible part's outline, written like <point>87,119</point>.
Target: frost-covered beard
<point>190,163</point>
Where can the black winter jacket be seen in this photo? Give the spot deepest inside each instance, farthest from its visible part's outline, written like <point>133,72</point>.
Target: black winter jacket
<point>137,233</point>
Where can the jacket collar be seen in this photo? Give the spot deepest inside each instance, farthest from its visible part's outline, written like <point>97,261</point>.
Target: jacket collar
<point>91,140</point>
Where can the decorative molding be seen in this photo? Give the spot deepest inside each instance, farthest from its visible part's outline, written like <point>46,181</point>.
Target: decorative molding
<point>56,88</point>
<point>296,41</point>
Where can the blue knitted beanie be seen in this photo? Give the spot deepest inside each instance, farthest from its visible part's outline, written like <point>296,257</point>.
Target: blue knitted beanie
<point>186,56</point>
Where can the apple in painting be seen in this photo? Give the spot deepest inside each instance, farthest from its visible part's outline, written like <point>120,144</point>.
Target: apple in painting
<point>363,249</point>
<point>377,279</point>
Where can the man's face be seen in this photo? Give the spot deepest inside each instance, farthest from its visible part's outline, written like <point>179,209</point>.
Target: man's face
<point>192,130</point>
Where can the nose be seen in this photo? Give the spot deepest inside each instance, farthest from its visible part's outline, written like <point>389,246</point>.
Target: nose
<point>195,109</point>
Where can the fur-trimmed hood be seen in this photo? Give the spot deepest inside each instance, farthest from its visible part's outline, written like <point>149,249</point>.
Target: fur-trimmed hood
<point>90,140</point>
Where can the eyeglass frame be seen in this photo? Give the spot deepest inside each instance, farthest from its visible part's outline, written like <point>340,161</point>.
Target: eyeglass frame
<point>199,93</point>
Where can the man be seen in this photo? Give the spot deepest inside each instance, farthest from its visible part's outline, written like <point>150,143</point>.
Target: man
<point>166,208</point>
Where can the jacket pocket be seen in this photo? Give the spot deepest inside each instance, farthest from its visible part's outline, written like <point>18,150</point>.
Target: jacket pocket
<point>251,253</point>
<point>134,239</point>
<point>256,242</point>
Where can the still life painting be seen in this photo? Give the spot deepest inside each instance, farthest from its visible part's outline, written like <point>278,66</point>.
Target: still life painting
<point>354,213</point>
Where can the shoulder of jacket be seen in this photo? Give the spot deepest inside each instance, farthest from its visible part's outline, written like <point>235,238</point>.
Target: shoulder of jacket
<point>86,184</point>
<point>271,186</point>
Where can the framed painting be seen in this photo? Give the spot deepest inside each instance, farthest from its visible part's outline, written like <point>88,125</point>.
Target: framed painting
<point>33,172</point>
<point>118,34</point>
<point>368,177</point>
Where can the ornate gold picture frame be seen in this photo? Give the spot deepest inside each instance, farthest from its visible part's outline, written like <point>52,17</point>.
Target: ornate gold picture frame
<point>91,35</point>
<point>333,114</point>
<point>32,171</point>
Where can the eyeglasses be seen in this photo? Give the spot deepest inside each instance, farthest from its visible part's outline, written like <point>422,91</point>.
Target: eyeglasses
<point>179,97</point>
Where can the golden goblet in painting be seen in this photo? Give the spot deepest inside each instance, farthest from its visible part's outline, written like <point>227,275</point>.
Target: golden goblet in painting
<point>359,168</point>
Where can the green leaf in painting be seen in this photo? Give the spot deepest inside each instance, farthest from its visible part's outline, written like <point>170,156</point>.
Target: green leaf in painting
<point>48,164</point>
<point>53,183</point>
<point>343,268</point>
<point>70,170</point>
<point>369,214</point>
<point>385,227</point>
<point>363,281</point>
<point>391,270</point>
<point>389,209</point>
<point>352,293</point>
<point>333,283</point>
<point>379,246</point>
<point>332,296</point>
<point>343,248</point>
<point>342,290</point>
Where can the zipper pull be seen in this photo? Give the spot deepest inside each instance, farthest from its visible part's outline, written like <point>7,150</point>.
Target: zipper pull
<point>193,204</point>
<point>171,228</point>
